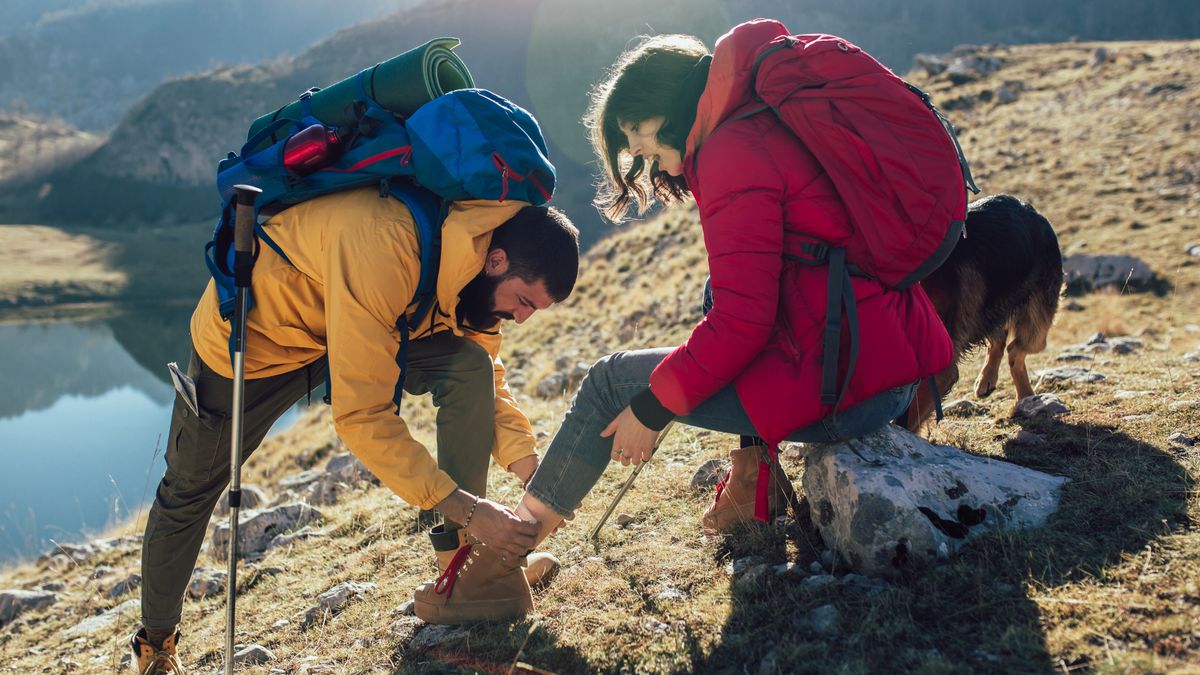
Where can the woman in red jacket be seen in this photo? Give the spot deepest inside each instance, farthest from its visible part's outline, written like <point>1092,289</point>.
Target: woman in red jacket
<point>753,365</point>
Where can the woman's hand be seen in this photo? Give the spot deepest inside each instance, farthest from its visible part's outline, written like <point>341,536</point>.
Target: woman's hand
<point>633,442</point>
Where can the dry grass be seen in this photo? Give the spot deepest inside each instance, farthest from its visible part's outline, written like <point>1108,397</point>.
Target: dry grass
<point>1110,585</point>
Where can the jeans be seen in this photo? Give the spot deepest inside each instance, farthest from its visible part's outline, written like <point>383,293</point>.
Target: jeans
<point>578,455</point>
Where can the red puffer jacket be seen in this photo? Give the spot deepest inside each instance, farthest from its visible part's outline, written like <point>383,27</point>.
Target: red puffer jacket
<point>757,188</point>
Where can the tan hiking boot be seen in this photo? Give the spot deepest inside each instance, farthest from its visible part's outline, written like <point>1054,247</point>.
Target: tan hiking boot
<point>153,660</point>
<point>738,490</point>
<point>477,585</point>
<point>540,568</point>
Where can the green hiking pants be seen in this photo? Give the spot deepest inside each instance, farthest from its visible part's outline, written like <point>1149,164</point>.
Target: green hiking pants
<point>457,372</point>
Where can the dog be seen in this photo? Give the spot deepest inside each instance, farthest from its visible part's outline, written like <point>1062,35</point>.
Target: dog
<point>1000,287</point>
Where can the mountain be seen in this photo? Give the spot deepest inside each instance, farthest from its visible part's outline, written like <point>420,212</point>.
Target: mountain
<point>88,62</point>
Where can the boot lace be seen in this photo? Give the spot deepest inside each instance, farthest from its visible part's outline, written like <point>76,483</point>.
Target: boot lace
<point>164,663</point>
<point>445,583</point>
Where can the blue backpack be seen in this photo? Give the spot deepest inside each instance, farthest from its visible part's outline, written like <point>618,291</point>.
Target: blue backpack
<point>466,144</point>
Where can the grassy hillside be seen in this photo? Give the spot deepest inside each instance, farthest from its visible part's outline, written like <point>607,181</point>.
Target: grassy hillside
<point>1101,142</point>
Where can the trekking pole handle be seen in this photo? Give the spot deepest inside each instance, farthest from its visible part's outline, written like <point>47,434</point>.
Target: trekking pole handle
<point>243,234</point>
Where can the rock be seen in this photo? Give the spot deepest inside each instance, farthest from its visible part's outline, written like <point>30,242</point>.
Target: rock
<point>971,67</point>
<point>1183,405</point>
<point>1095,339</point>
<point>818,582</point>
<point>828,559</point>
<point>963,408</point>
<point>81,553</point>
<point>1100,56</point>
<point>869,586</point>
<point>253,497</point>
<point>14,603</point>
<point>670,594</point>
<point>932,64</point>
<point>1086,273</point>
<point>1026,437</point>
<point>312,665</point>
<point>1073,374</point>
<point>206,583</point>
<point>752,580</point>
<point>282,623</point>
<point>824,620</point>
<point>437,635</point>
<point>792,452</point>
<point>334,600</point>
<point>344,473</point>
<point>624,519</point>
<point>404,629</point>
<point>252,655</point>
<point>815,567</point>
<point>406,609</point>
<point>258,528</point>
<point>102,571</point>
<point>551,386</point>
<point>1192,356</point>
<point>1193,250</point>
<point>126,585</point>
<point>1073,356</point>
<point>302,534</point>
<point>709,474</point>
<point>1008,93</point>
<point>1125,395</point>
<point>789,570</point>
<point>124,612</point>
<point>740,566</point>
<point>299,480</point>
<point>893,499</point>
<point>1041,405</point>
<point>1180,438</point>
<point>1125,345</point>
<point>770,663</point>
<point>53,586</point>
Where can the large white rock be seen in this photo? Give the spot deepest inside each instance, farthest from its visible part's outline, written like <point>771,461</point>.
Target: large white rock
<point>256,529</point>
<point>891,500</point>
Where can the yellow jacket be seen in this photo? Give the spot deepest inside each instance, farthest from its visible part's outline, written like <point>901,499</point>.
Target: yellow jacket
<point>354,269</point>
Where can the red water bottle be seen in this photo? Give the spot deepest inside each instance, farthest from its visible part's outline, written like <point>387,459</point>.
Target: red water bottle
<point>310,149</point>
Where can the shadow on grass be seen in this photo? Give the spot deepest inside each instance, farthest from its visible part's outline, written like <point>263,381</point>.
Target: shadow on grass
<point>978,611</point>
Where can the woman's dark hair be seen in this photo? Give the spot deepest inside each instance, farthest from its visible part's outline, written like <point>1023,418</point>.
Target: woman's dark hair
<point>645,82</point>
<point>542,245</point>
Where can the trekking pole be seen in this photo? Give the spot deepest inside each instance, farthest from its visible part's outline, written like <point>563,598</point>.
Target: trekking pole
<point>243,264</point>
<point>595,535</point>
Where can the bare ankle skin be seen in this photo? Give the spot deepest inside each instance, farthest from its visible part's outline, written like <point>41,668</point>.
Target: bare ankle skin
<point>533,510</point>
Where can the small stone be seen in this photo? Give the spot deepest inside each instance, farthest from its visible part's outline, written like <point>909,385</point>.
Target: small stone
<point>102,571</point>
<point>1100,56</point>
<point>1192,357</point>
<point>824,620</point>
<point>624,519</point>
<point>752,580</point>
<point>1125,395</point>
<point>963,408</point>
<point>407,609</point>
<point>1136,418</point>
<point>1072,356</point>
<point>253,655</point>
<point>1193,250</point>
<point>1073,374</point>
<point>126,585</point>
<point>432,636</point>
<point>1041,405</point>
<point>553,385</point>
<point>103,622</point>
<point>740,566</point>
<point>828,559</point>
<point>709,474</point>
<point>789,570</point>
<point>53,586</point>
<point>1125,345</point>
<point>815,567</point>
<point>1026,437</point>
<point>405,628</point>
<point>1074,306</point>
<point>818,582</point>
<point>1095,339</point>
<point>334,600</point>
<point>282,623</point>
<point>206,583</point>
<point>670,594</point>
<point>1192,328</point>
<point>1183,405</point>
<point>869,586</point>
<point>1180,438</point>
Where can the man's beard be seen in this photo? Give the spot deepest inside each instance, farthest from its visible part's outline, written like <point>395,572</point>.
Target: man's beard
<point>477,303</point>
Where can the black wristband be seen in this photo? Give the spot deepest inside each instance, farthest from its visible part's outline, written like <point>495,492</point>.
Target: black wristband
<point>649,411</point>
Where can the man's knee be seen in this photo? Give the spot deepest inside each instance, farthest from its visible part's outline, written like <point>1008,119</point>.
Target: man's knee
<point>470,375</point>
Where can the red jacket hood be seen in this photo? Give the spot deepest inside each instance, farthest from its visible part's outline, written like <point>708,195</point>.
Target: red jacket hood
<point>729,86</point>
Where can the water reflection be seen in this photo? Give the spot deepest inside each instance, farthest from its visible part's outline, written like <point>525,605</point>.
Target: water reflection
<point>84,412</point>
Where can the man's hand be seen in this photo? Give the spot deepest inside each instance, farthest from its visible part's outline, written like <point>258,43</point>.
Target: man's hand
<point>524,468</point>
<point>633,442</point>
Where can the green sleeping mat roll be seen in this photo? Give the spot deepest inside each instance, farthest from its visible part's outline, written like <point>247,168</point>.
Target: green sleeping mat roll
<point>401,84</point>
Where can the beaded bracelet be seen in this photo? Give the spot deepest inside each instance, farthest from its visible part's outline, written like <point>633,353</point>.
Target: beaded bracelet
<point>472,513</point>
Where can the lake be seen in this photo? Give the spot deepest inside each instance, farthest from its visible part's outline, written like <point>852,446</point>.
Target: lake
<point>84,414</point>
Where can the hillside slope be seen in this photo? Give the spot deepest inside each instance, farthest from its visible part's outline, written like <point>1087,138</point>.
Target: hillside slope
<point>1099,137</point>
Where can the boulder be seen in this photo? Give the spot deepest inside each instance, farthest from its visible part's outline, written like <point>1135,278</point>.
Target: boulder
<point>256,529</point>
<point>253,497</point>
<point>124,612</point>
<point>894,501</point>
<point>1086,273</point>
<point>14,603</point>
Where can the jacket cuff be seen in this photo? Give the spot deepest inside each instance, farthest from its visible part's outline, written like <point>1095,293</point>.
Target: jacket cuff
<point>649,411</point>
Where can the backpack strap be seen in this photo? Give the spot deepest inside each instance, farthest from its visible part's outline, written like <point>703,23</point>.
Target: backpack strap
<point>840,297</point>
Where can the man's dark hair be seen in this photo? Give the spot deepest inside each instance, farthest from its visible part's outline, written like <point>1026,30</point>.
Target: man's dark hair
<point>541,245</point>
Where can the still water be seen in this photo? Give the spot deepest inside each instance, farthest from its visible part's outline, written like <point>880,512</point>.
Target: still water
<point>84,413</point>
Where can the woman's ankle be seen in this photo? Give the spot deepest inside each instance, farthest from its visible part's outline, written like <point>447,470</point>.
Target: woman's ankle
<point>533,510</point>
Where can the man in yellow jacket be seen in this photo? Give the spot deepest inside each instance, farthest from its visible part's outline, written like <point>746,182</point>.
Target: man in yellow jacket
<point>330,309</point>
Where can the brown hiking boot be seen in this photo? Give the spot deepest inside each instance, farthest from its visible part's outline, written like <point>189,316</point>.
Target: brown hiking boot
<point>477,585</point>
<point>540,567</point>
<point>738,491</point>
<point>153,660</point>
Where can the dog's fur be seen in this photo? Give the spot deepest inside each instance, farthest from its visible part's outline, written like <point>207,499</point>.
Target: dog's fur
<point>1001,281</point>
